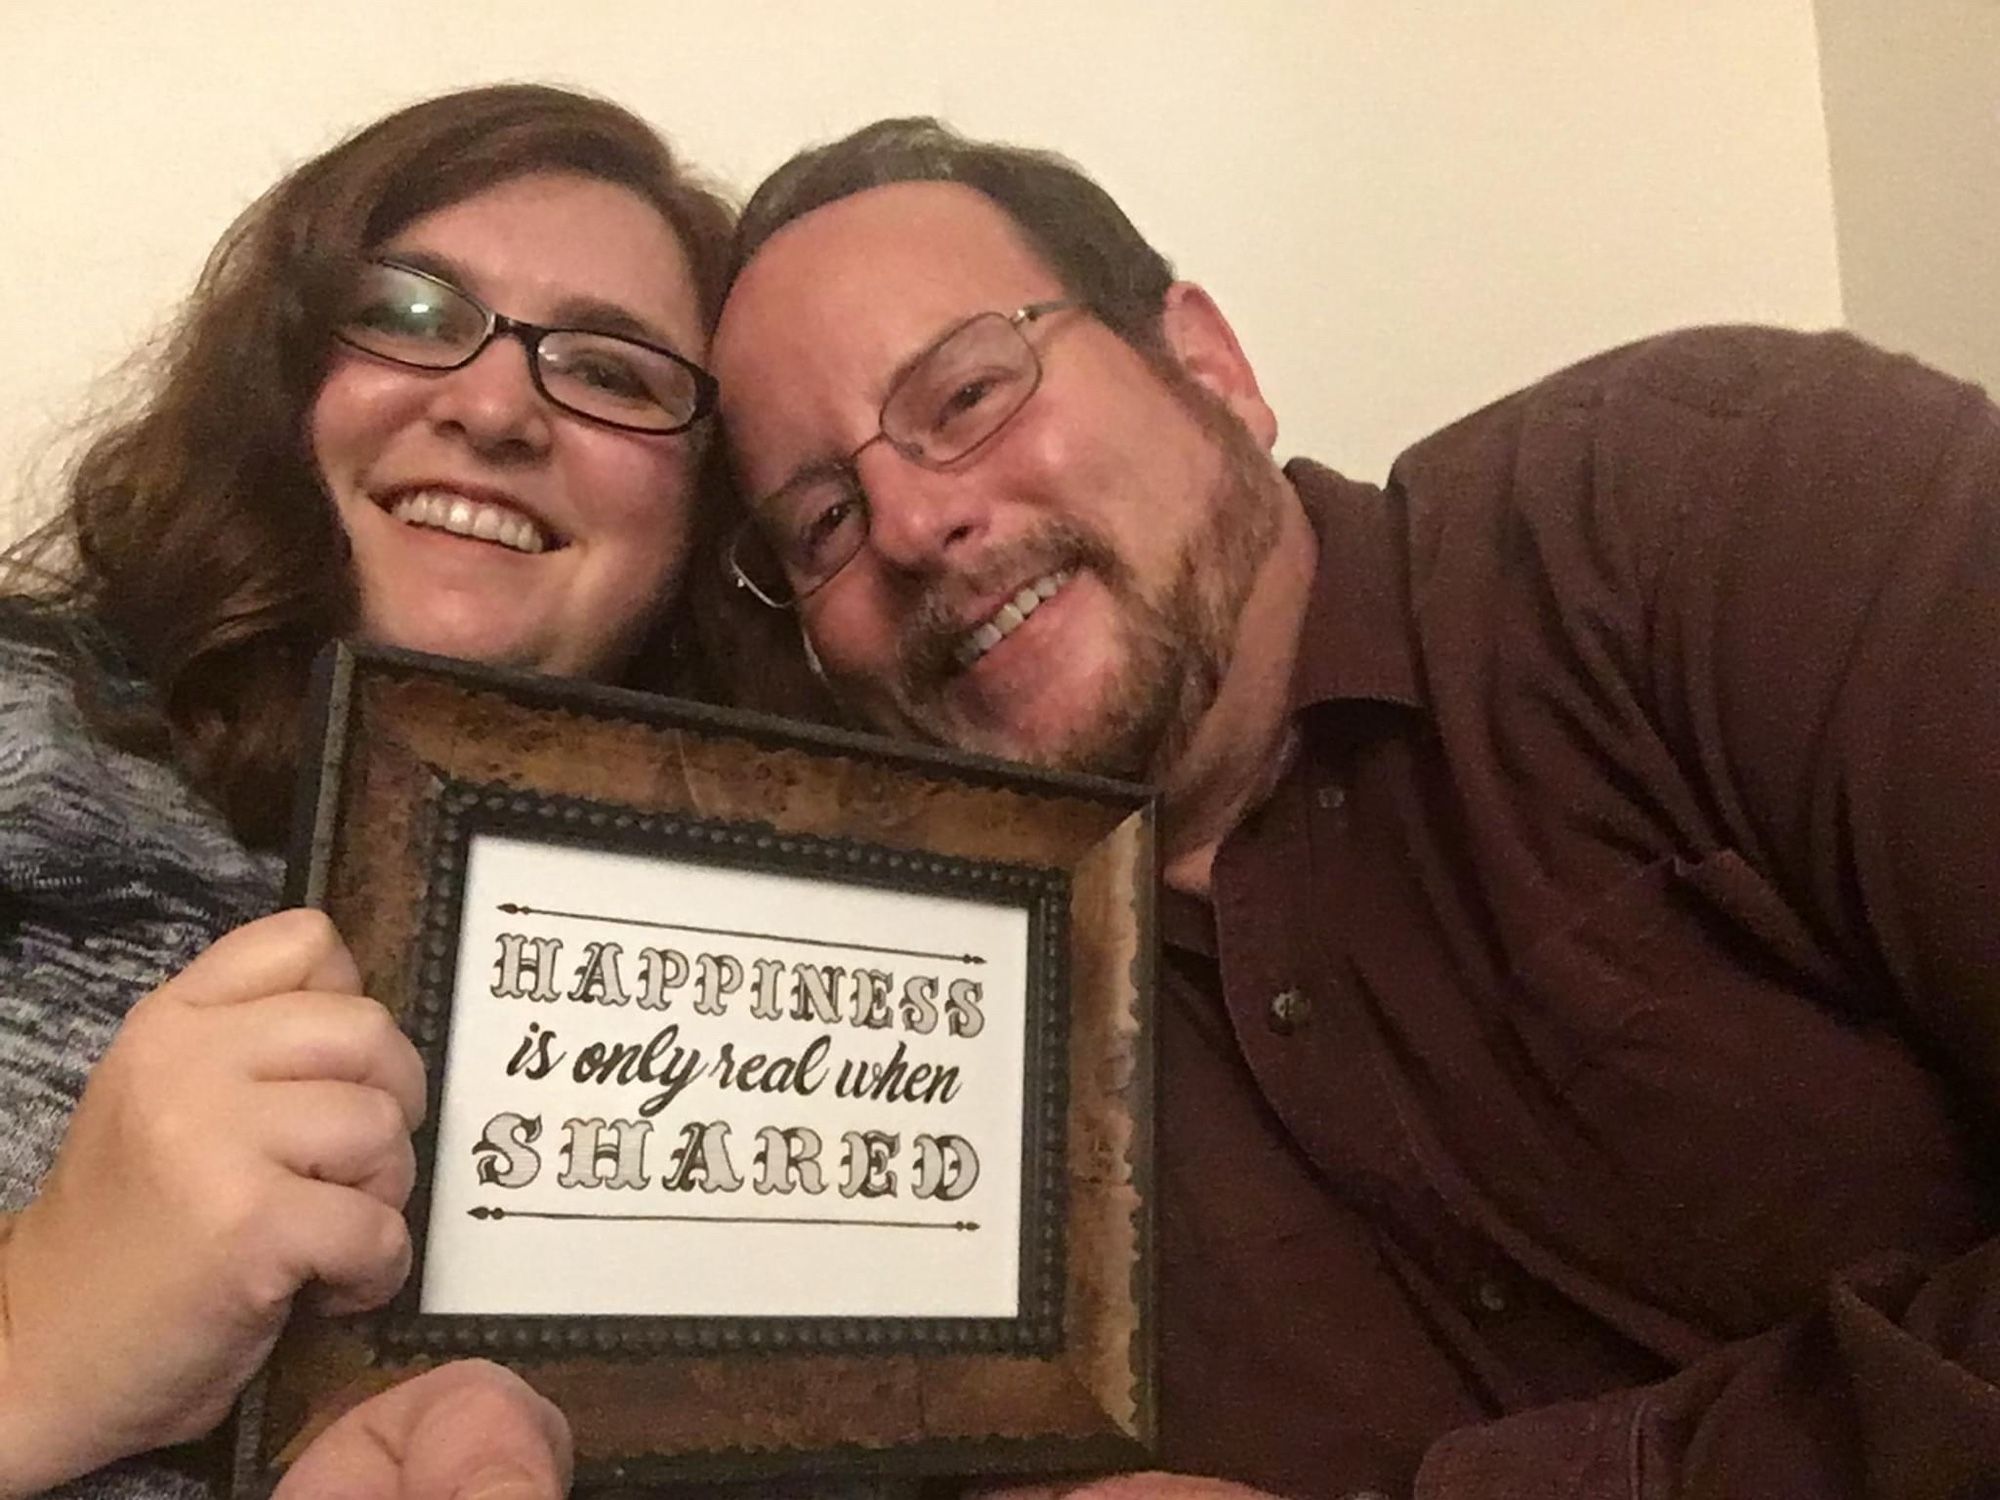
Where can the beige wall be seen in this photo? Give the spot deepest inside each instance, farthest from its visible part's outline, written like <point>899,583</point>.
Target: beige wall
<point>1407,208</point>
<point>1913,126</point>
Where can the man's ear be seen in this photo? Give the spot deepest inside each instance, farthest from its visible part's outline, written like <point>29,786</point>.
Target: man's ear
<point>1203,344</point>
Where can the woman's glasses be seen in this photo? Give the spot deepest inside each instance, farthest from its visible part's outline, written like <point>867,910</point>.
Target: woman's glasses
<point>412,318</point>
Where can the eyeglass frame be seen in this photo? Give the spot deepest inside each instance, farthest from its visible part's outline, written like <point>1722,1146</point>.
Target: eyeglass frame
<point>530,336</point>
<point>846,468</point>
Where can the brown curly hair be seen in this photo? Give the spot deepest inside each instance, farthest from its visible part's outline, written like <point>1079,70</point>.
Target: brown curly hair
<point>194,534</point>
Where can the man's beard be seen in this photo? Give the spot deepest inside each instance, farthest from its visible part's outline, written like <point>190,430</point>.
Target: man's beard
<point>1173,651</point>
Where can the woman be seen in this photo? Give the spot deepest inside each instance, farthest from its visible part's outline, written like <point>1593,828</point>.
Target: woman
<point>438,388</point>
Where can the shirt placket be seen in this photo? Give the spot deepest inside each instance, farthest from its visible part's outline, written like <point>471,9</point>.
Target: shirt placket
<point>1286,891</point>
<point>1277,896</point>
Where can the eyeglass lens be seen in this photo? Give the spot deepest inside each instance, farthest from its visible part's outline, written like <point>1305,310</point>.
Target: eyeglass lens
<point>946,405</point>
<point>957,396</point>
<point>415,319</point>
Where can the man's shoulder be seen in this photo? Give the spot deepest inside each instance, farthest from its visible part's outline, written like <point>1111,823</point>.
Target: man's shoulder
<point>1723,369</point>
<point>1722,372</point>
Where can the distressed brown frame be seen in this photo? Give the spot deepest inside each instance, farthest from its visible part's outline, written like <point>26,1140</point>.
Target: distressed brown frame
<point>406,738</point>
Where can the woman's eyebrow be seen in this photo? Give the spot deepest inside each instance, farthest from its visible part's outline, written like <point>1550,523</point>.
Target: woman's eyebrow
<point>592,313</point>
<point>443,267</point>
<point>600,316</point>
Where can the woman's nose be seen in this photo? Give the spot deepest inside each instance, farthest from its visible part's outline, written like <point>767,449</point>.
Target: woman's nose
<point>493,400</point>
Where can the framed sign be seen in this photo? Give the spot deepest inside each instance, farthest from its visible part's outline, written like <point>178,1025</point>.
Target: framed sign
<point>789,1089</point>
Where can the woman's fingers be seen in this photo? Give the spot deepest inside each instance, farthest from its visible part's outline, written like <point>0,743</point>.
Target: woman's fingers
<point>290,950</point>
<point>335,1037</point>
<point>245,1135</point>
<point>342,1133</point>
<point>355,1246</point>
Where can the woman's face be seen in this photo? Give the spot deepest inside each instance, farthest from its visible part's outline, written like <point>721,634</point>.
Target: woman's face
<point>485,522</point>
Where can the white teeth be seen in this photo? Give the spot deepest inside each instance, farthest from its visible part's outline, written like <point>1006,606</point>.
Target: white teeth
<point>1009,617</point>
<point>444,511</point>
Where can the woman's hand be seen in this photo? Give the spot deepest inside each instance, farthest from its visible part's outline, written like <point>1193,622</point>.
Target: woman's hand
<point>466,1431</point>
<point>246,1133</point>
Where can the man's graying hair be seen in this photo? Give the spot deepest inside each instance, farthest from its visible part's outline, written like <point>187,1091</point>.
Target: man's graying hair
<point>1069,220</point>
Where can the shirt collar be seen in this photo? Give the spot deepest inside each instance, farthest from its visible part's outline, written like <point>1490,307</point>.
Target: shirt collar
<point>1356,639</point>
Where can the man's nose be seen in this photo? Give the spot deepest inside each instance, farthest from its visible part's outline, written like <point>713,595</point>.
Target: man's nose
<point>918,518</point>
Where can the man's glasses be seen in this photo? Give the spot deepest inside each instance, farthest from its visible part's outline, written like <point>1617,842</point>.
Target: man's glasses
<point>412,318</point>
<point>954,398</point>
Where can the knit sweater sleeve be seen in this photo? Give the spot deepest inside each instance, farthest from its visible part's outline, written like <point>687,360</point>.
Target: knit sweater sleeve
<point>113,874</point>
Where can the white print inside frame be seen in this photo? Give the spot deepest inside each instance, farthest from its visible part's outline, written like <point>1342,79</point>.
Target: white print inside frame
<point>681,1090</point>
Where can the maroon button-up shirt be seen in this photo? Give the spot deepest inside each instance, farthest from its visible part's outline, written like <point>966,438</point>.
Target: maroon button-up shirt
<point>1579,1083</point>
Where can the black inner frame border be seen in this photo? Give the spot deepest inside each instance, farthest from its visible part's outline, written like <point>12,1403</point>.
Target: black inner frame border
<point>459,809</point>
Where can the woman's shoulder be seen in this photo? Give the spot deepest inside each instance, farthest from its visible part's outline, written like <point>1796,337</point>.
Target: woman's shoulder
<point>51,644</point>
<point>49,661</point>
<point>75,808</point>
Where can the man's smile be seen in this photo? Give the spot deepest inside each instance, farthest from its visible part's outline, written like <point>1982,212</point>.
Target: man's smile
<point>1010,616</point>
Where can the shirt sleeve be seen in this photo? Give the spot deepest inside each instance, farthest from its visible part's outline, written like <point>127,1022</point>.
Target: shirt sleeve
<point>1839,575</point>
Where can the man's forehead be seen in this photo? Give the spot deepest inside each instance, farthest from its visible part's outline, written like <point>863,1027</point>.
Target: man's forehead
<point>887,264</point>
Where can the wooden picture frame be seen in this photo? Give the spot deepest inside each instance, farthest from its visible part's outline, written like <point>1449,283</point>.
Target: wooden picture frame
<point>790,1089</point>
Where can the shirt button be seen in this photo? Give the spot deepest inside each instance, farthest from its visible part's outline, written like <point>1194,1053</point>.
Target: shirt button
<point>1364,1495</point>
<point>1289,1010</point>
<point>1331,797</point>
<point>1491,1296</point>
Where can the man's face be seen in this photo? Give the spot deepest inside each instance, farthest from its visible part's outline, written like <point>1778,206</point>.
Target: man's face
<point>1068,594</point>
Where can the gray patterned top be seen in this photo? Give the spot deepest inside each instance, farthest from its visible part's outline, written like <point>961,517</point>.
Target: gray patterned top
<point>113,874</point>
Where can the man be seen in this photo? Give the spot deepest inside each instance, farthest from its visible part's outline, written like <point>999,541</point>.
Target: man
<point>1581,997</point>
